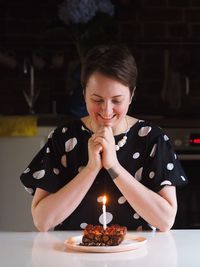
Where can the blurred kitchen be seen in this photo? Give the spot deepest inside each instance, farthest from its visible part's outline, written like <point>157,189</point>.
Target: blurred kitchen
<point>40,57</point>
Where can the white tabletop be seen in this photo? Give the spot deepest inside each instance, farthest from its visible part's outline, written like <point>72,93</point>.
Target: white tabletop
<point>174,248</point>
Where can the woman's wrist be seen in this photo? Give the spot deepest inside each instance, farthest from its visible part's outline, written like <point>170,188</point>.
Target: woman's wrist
<point>113,171</point>
<point>92,169</point>
<point>113,174</point>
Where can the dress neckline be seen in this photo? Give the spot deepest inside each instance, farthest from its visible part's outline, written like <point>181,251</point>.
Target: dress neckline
<point>130,128</point>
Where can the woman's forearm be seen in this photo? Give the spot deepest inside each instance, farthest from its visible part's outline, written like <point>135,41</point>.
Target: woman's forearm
<point>158,210</point>
<point>48,210</point>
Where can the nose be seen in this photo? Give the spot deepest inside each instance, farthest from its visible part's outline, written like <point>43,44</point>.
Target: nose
<point>107,108</point>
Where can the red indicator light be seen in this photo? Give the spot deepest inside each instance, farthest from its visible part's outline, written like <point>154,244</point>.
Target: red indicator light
<point>194,139</point>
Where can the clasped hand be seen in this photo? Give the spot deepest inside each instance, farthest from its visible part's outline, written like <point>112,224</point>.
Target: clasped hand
<point>101,149</point>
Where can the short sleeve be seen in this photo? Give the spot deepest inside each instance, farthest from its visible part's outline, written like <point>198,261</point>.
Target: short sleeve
<point>48,168</point>
<point>162,167</point>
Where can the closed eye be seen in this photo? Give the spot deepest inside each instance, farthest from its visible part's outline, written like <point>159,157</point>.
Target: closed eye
<point>116,102</point>
<point>97,101</point>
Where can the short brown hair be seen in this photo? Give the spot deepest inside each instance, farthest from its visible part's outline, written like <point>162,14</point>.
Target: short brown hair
<point>115,61</point>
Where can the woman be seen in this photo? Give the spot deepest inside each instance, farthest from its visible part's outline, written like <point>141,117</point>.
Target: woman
<point>106,152</point>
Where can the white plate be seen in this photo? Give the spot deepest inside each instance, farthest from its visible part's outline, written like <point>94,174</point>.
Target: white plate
<point>130,242</point>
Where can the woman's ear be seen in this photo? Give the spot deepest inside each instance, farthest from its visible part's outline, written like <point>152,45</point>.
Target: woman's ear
<point>132,95</point>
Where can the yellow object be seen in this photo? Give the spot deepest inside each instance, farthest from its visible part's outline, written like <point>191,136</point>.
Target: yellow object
<point>18,125</point>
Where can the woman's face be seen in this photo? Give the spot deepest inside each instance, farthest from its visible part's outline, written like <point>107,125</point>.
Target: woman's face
<point>107,100</point>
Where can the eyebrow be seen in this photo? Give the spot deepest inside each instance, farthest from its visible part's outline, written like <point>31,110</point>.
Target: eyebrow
<point>102,96</point>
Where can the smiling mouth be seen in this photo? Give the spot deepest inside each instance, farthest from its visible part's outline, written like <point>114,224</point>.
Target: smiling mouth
<point>107,118</point>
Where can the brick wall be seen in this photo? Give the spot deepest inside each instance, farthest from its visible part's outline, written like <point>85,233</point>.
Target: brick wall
<point>164,36</point>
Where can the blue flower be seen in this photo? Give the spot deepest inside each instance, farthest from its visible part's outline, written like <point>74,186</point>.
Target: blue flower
<point>105,6</point>
<point>86,21</point>
<point>83,11</point>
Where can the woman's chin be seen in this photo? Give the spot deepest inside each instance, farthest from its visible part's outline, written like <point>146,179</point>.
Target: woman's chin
<point>106,122</point>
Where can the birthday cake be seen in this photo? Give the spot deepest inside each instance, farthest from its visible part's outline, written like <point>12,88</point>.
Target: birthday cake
<point>95,235</point>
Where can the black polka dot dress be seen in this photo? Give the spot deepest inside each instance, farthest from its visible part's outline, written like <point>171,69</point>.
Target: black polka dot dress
<point>147,155</point>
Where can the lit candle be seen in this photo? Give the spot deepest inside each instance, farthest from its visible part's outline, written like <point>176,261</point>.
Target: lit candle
<point>104,212</point>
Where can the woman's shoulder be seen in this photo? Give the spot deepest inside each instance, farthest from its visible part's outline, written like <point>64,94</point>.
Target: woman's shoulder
<point>72,127</point>
<point>144,126</point>
<point>133,121</point>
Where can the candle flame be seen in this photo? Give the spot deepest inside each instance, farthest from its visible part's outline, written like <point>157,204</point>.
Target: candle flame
<point>104,200</point>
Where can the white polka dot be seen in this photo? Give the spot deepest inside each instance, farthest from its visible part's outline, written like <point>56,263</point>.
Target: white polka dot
<point>151,174</point>
<point>183,178</point>
<point>64,129</point>
<point>48,150</point>
<point>175,156</point>
<point>153,151</point>
<point>84,129</point>
<point>152,227</point>
<point>29,190</point>
<point>27,170</point>
<point>136,216</point>
<point>100,199</point>
<point>139,228</point>
<point>70,144</point>
<point>50,134</point>
<point>140,120</point>
<point>166,138</point>
<point>83,225</point>
<point>144,131</point>
<point>121,200</point>
<point>39,174</point>
<point>166,182</point>
<point>136,155</point>
<point>138,174</point>
<point>170,166</point>
<point>56,171</point>
<point>81,168</point>
<point>109,218</point>
<point>64,160</point>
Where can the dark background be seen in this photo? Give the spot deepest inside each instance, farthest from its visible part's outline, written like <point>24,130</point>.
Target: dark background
<point>164,36</point>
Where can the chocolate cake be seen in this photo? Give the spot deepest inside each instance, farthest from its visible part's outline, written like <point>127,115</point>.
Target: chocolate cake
<point>95,235</point>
